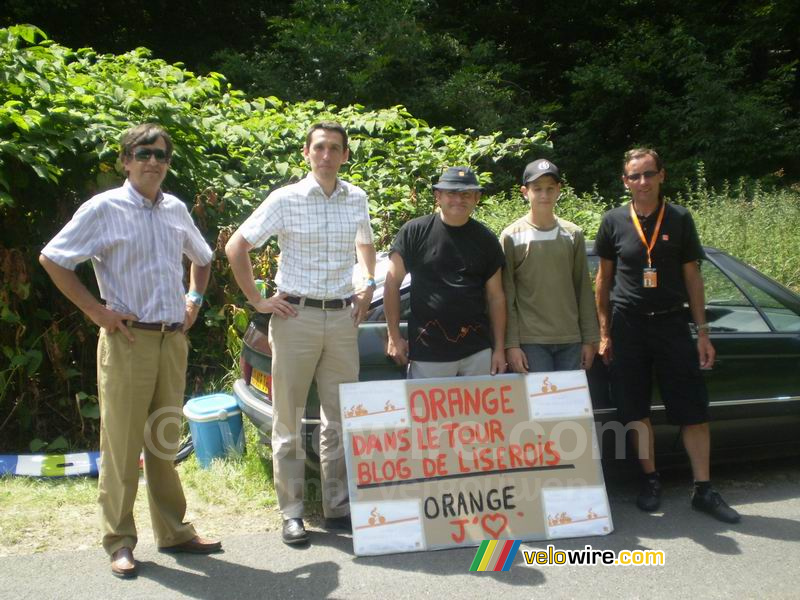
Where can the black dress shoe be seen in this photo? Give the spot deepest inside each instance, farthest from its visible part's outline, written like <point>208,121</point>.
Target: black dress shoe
<point>294,532</point>
<point>713,504</point>
<point>339,524</point>
<point>650,495</point>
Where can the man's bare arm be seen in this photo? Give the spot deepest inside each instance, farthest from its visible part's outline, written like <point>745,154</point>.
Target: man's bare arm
<point>366,258</point>
<point>397,347</point>
<point>496,301</point>
<point>602,296</point>
<point>237,249</point>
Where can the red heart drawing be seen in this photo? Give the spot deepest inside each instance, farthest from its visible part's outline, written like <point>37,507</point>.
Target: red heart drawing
<point>494,524</point>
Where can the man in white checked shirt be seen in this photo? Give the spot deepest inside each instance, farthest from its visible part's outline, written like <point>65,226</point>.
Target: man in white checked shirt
<point>322,224</point>
<point>136,237</point>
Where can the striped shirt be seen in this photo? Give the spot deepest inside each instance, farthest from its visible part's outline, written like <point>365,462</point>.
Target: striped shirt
<point>136,248</point>
<point>317,236</point>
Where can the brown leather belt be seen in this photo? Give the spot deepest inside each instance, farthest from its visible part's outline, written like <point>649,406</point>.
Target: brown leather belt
<point>162,327</point>
<point>337,304</point>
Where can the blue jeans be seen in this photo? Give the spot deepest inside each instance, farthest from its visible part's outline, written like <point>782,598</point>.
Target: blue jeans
<point>543,358</point>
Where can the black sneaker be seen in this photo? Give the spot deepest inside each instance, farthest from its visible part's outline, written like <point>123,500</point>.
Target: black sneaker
<point>294,532</point>
<point>713,504</point>
<point>339,524</point>
<point>650,495</point>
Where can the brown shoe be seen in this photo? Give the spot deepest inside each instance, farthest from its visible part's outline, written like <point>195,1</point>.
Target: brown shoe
<point>122,564</point>
<point>196,545</point>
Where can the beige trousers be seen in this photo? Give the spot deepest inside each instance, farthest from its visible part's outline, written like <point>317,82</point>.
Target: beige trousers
<point>141,387</point>
<point>479,363</point>
<point>318,345</point>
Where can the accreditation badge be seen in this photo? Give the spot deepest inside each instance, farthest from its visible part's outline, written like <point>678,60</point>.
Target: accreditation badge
<point>650,278</point>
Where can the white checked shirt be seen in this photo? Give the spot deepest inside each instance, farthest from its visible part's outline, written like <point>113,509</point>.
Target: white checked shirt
<point>317,236</point>
<point>136,249</point>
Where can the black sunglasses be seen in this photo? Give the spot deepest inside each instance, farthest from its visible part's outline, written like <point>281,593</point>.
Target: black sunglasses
<point>638,176</point>
<point>144,154</point>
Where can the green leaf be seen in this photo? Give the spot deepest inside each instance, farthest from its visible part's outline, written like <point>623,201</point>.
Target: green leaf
<point>60,443</point>
<point>36,444</point>
<point>20,122</point>
<point>230,180</point>
<point>34,359</point>
<point>91,411</point>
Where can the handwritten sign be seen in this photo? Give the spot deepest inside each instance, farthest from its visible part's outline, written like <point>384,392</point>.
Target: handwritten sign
<point>438,463</point>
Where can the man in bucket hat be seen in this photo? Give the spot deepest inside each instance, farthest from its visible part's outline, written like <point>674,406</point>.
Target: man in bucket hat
<point>458,311</point>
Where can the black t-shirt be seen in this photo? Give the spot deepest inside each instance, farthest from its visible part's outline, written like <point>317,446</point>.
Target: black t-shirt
<point>449,269</point>
<point>677,244</point>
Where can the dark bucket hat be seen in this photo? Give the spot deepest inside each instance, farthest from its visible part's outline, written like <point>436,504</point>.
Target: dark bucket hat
<point>458,178</point>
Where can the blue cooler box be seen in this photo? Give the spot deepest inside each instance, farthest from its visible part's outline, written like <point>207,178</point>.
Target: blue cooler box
<point>216,425</point>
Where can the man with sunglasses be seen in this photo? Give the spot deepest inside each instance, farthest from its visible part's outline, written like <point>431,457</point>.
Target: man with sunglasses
<point>649,267</point>
<point>136,237</point>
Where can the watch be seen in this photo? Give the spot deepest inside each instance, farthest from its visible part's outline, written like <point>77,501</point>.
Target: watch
<point>194,297</point>
<point>371,282</point>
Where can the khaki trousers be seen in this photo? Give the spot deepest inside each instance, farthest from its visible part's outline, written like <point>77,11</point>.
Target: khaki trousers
<point>320,345</point>
<point>141,387</point>
<point>479,363</point>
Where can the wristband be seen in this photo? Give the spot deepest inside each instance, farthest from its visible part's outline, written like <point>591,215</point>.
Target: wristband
<point>194,298</point>
<point>704,326</point>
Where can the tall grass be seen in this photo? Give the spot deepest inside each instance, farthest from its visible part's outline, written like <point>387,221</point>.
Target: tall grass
<point>758,226</point>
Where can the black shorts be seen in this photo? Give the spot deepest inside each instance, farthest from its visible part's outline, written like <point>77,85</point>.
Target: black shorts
<point>661,344</point>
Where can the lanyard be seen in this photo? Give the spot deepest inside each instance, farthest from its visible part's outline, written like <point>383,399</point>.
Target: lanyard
<point>649,247</point>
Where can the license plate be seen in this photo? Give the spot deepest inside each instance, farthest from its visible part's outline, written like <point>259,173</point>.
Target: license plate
<point>261,381</point>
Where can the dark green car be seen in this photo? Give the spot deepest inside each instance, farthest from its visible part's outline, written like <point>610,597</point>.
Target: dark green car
<point>754,387</point>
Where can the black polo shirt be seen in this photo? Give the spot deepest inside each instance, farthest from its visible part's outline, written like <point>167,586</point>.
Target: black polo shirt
<point>677,244</point>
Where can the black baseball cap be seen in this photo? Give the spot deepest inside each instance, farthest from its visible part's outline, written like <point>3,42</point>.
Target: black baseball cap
<point>540,167</point>
<point>458,178</point>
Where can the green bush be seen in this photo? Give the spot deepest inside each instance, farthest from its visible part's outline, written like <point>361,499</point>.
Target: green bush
<point>61,114</point>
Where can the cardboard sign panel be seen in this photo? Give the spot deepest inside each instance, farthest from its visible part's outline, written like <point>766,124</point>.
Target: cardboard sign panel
<point>439,463</point>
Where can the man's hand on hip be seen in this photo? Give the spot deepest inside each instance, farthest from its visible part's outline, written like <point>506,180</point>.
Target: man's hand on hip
<point>276,305</point>
<point>112,321</point>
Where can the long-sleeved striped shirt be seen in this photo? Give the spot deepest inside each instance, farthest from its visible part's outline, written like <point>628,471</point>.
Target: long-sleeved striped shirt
<point>136,248</point>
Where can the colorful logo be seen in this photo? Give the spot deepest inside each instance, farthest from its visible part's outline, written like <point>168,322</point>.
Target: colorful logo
<point>495,556</point>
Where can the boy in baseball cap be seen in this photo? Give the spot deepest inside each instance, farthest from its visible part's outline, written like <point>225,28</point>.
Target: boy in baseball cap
<point>552,323</point>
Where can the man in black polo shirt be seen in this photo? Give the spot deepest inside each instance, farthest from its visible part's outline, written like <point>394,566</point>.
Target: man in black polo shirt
<point>649,266</point>
<point>458,309</point>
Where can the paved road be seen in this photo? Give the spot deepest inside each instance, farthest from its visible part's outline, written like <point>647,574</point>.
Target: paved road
<point>704,558</point>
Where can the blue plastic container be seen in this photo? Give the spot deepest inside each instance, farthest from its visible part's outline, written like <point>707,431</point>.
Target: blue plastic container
<point>216,425</point>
